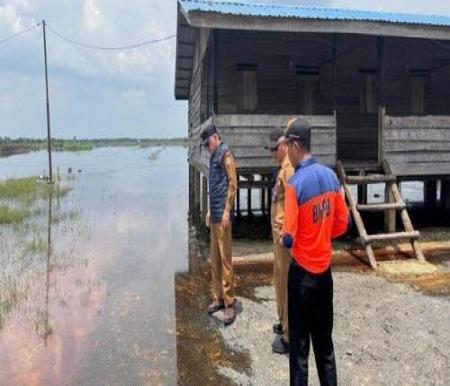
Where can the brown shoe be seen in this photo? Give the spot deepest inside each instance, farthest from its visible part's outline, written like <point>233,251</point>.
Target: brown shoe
<point>215,306</point>
<point>229,315</point>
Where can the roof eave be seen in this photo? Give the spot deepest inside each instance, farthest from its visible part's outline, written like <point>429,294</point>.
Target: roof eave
<point>184,37</point>
<point>202,19</point>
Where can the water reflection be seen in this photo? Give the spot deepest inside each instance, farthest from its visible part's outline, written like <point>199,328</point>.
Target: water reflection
<point>95,297</point>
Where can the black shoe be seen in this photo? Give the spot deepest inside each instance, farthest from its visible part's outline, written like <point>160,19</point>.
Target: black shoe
<point>278,329</point>
<point>280,346</point>
<point>229,315</point>
<point>215,306</point>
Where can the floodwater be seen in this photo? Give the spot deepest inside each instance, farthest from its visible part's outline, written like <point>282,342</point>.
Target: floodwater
<point>96,306</point>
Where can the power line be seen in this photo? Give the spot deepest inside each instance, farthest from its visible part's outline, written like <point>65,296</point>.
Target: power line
<point>20,33</point>
<point>94,47</point>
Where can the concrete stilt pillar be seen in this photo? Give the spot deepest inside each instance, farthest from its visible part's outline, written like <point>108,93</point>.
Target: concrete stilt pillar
<point>430,194</point>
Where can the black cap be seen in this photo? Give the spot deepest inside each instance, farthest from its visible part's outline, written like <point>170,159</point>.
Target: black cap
<point>207,132</point>
<point>299,130</point>
<point>274,139</point>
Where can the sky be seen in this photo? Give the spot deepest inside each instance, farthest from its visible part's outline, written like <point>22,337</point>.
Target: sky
<point>97,94</point>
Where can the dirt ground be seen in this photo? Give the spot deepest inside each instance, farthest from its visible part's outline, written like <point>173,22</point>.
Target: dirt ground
<point>392,325</point>
<point>385,334</point>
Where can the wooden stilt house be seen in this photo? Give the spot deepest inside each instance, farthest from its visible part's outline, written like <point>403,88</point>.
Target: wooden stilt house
<point>374,86</point>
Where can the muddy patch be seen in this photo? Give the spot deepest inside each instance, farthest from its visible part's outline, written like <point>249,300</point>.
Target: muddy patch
<point>201,350</point>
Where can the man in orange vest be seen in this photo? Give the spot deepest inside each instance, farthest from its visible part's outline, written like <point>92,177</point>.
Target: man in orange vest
<point>315,213</point>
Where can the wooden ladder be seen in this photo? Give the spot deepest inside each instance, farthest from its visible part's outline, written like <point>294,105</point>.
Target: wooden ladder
<point>392,194</point>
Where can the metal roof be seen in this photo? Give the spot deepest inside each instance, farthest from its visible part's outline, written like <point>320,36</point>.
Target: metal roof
<point>194,15</point>
<point>304,12</point>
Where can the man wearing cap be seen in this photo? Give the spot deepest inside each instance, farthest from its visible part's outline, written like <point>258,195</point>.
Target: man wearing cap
<point>282,258</point>
<point>222,191</point>
<point>315,213</point>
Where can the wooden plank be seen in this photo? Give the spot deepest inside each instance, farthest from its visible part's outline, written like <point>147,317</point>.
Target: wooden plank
<point>380,207</point>
<point>259,120</point>
<point>370,179</point>
<point>420,168</point>
<point>417,145</point>
<point>392,236</point>
<point>407,134</point>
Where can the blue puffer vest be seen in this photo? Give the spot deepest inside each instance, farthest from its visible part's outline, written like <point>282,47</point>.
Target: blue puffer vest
<point>218,183</point>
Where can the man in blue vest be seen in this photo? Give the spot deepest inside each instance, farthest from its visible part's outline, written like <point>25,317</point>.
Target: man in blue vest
<point>222,191</point>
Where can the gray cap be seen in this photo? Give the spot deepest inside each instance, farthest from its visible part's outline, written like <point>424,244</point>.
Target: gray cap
<point>275,139</point>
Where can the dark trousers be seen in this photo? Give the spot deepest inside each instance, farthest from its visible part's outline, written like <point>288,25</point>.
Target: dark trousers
<point>310,308</point>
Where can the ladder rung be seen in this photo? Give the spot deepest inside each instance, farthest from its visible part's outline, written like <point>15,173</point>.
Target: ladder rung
<point>370,179</point>
<point>376,207</point>
<point>392,236</point>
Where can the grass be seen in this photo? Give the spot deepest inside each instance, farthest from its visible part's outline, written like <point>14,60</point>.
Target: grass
<point>28,189</point>
<point>19,196</point>
<point>73,146</point>
<point>12,216</point>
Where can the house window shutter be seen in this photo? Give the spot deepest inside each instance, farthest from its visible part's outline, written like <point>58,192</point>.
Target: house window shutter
<point>308,89</point>
<point>247,88</point>
<point>418,88</point>
<point>368,92</point>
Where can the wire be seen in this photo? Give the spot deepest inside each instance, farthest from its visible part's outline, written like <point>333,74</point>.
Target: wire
<point>93,47</point>
<point>20,33</point>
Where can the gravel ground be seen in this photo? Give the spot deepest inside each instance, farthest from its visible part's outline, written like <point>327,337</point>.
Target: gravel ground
<point>385,334</point>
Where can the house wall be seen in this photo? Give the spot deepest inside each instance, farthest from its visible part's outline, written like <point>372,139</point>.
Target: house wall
<point>248,134</point>
<point>277,56</point>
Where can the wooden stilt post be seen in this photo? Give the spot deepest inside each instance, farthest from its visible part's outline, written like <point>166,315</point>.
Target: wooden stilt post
<point>204,207</point>
<point>263,196</point>
<point>390,214</point>
<point>362,191</point>
<point>191,190</point>
<point>238,199</point>
<point>249,196</point>
<point>430,194</point>
<point>445,194</point>
<point>197,196</point>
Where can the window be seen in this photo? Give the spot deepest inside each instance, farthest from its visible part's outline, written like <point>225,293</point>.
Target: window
<point>368,92</point>
<point>418,87</point>
<point>308,89</point>
<point>247,87</point>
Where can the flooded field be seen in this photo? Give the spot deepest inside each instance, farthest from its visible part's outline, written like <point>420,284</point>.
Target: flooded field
<point>87,286</point>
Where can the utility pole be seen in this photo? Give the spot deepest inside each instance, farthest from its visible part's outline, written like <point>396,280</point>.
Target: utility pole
<point>49,138</point>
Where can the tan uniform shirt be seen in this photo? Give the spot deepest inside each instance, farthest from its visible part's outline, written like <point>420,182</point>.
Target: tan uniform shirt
<point>277,210</point>
<point>230,168</point>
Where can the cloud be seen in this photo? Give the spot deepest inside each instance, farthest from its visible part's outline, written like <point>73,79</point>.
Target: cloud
<point>108,93</point>
<point>91,15</point>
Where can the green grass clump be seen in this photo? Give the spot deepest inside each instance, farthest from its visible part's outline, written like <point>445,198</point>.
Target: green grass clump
<point>12,216</point>
<point>27,189</point>
<point>73,146</point>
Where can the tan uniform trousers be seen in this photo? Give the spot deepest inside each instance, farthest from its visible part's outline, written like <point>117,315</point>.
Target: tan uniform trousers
<point>221,263</point>
<point>282,259</point>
